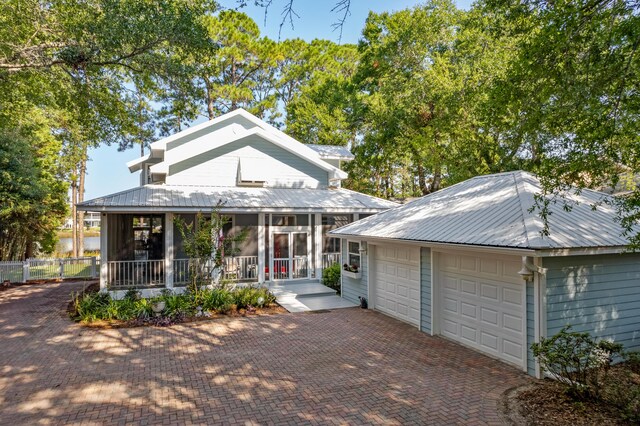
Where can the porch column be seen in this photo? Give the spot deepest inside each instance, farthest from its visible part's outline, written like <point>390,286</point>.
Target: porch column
<point>271,254</point>
<point>168,250</point>
<point>356,216</point>
<point>318,248</point>
<point>104,267</point>
<point>261,248</point>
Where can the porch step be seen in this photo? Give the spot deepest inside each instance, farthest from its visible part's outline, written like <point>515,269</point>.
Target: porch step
<point>307,289</point>
<point>316,303</point>
<point>307,296</point>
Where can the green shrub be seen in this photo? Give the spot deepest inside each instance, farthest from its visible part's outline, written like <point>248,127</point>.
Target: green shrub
<point>177,305</point>
<point>577,360</point>
<point>217,299</point>
<point>331,277</point>
<point>252,296</point>
<point>89,307</point>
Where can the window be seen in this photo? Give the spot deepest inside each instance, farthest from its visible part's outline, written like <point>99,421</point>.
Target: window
<point>278,220</point>
<point>353,253</point>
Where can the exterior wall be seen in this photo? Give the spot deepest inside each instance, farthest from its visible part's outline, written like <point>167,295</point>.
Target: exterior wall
<point>531,334</point>
<point>216,131</point>
<point>598,294</point>
<point>425,289</point>
<point>351,288</point>
<point>219,166</point>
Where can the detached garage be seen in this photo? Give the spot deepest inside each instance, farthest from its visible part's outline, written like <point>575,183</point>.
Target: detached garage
<point>470,263</point>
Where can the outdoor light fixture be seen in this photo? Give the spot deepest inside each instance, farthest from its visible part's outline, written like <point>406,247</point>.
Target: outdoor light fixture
<point>528,268</point>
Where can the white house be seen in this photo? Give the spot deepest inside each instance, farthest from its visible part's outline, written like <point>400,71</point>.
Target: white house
<point>287,195</point>
<point>470,263</point>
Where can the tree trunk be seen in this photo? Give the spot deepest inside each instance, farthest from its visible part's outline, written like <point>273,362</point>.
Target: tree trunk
<point>83,172</point>
<point>210,109</point>
<point>422,180</point>
<point>74,218</point>
<point>437,180</point>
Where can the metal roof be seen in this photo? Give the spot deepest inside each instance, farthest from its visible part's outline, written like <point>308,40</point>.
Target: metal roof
<point>194,198</point>
<point>332,151</point>
<point>495,210</point>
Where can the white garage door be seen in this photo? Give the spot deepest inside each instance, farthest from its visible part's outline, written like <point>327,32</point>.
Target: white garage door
<point>482,304</point>
<point>396,282</point>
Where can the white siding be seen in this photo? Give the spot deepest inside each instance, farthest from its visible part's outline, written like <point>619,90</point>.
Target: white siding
<point>219,166</point>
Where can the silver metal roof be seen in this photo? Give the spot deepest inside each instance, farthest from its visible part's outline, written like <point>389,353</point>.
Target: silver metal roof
<point>194,198</point>
<point>332,151</point>
<point>494,210</point>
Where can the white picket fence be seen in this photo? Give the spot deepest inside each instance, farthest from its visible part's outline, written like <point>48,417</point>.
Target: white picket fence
<point>49,269</point>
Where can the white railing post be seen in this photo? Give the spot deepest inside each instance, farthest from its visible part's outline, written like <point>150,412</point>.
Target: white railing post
<point>25,271</point>
<point>61,270</point>
<point>261,248</point>
<point>168,250</point>
<point>318,248</point>
<point>104,264</point>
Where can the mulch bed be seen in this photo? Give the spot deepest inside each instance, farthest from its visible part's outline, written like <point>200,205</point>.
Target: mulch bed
<point>546,403</point>
<point>234,313</point>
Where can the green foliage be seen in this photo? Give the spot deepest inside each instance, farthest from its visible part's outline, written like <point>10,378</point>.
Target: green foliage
<point>32,199</point>
<point>577,360</point>
<point>91,307</point>
<point>206,243</point>
<point>176,305</point>
<point>216,299</point>
<point>245,297</point>
<point>331,276</point>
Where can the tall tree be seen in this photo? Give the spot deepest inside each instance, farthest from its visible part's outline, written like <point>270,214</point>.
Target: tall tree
<point>575,86</point>
<point>237,73</point>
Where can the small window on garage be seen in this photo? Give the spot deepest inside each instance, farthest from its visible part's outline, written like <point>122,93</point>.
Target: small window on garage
<point>353,253</point>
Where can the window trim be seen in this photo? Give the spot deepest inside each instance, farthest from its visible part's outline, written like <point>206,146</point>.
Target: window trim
<point>358,253</point>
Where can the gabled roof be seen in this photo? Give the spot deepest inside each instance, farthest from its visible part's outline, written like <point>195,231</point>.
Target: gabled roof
<point>496,210</point>
<point>175,198</point>
<point>186,151</point>
<point>332,152</point>
<point>236,131</point>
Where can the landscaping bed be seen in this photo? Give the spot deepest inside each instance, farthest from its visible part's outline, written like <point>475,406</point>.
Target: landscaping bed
<point>547,403</point>
<point>98,310</point>
<point>591,388</point>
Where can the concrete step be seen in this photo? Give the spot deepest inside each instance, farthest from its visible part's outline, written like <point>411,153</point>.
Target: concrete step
<point>307,289</point>
<point>316,303</point>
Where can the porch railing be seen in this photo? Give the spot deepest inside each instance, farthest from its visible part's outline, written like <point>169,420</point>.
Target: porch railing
<point>238,268</point>
<point>125,274</point>
<point>241,268</point>
<point>329,259</point>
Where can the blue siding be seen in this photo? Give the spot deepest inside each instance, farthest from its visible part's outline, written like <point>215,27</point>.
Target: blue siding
<point>531,334</point>
<point>351,288</point>
<point>598,294</point>
<point>425,289</point>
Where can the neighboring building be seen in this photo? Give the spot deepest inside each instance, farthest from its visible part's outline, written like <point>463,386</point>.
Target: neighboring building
<point>91,220</point>
<point>287,194</point>
<point>470,263</point>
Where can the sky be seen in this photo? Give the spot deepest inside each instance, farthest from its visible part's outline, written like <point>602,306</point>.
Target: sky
<point>107,172</point>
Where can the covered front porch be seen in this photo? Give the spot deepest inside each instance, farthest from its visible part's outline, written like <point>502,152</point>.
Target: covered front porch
<point>145,251</point>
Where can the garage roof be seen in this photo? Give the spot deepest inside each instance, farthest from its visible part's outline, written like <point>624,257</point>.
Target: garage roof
<point>497,210</point>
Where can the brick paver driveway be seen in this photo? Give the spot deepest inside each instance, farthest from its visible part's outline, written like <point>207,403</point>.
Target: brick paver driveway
<point>347,366</point>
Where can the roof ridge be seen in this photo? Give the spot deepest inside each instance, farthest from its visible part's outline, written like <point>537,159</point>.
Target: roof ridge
<point>527,219</point>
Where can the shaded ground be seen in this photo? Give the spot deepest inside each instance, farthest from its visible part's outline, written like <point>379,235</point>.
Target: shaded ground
<point>346,366</point>
<point>545,403</point>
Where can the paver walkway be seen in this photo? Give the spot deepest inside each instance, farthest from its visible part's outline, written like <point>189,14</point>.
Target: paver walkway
<point>347,366</point>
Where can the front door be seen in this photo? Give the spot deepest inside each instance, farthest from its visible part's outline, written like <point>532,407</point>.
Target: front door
<point>290,255</point>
